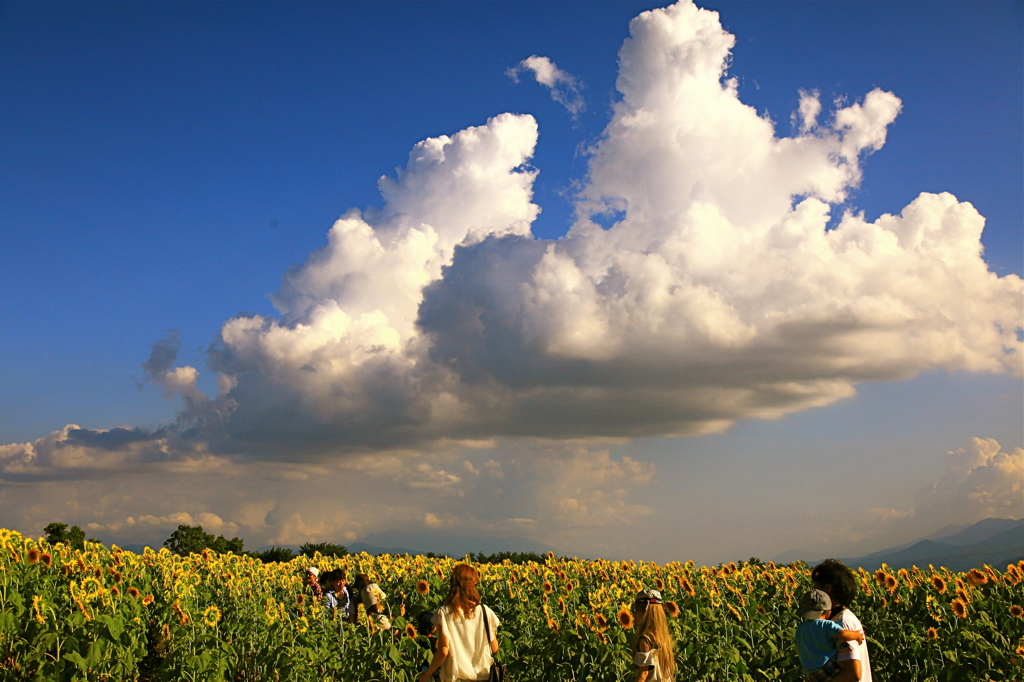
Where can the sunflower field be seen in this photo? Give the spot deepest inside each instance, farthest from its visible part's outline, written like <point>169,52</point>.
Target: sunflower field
<point>106,614</point>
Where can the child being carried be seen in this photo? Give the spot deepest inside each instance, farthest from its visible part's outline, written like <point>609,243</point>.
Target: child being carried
<point>817,637</point>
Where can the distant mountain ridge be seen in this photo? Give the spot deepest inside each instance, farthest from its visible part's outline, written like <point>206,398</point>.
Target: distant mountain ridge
<point>995,542</point>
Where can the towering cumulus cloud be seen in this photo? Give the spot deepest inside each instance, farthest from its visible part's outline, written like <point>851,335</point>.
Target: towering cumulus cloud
<point>699,284</point>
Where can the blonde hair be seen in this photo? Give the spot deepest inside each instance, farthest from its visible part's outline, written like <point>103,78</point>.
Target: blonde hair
<point>462,593</point>
<point>652,626</point>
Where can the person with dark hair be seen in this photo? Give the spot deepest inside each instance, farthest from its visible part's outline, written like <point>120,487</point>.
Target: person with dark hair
<point>369,594</point>
<point>466,632</point>
<point>337,596</point>
<point>839,583</point>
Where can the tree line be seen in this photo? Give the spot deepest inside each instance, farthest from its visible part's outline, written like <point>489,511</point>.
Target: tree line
<point>193,540</point>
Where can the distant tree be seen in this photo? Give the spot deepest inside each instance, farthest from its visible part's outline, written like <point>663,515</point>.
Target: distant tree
<point>754,561</point>
<point>59,532</point>
<point>193,539</point>
<point>325,549</point>
<point>274,555</point>
<point>500,557</point>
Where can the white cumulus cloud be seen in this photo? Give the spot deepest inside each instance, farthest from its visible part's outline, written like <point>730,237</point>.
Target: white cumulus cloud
<point>701,283</point>
<point>565,88</point>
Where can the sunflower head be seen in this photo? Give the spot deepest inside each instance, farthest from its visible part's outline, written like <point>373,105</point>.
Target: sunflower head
<point>625,618</point>
<point>33,555</point>
<point>133,592</point>
<point>976,578</point>
<point>1016,611</point>
<point>211,616</point>
<point>147,600</point>
<point>931,633</point>
<point>548,587</point>
<point>422,586</point>
<point>659,584</point>
<point>601,622</point>
<point>672,609</point>
<point>959,608</point>
<point>939,584</point>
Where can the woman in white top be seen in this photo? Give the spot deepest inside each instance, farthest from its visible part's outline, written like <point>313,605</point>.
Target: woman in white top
<point>464,650</point>
<point>653,653</point>
<point>840,584</point>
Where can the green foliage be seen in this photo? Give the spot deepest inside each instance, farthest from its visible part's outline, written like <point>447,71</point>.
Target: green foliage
<point>193,540</point>
<point>274,555</point>
<point>518,558</point>
<point>60,533</point>
<point>323,548</point>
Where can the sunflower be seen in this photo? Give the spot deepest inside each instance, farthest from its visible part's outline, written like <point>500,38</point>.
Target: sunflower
<point>687,587</point>
<point>735,612</point>
<point>891,583</point>
<point>301,624</point>
<point>931,633</point>
<point>959,608</point>
<point>659,584</point>
<point>625,618</point>
<point>422,586</point>
<point>963,595</point>
<point>38,609</point>
<point>672,609</point>
<point>92,587</point>
<point>147,600</point>
<point>552,625</point>
<point>880,577</point>
<point>410,632</point>
<point>976,578</point>
<point>939,584</point>
<point>301,599</point>
<point>133,592</point>
<point>33,556</point>
<point>601,622</point>
<point>46,558</point>
<point>211,616</point>
<point>1016,611</point>
<point>548,587</point>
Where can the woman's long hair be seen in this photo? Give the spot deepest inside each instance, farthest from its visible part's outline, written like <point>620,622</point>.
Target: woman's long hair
<point>651,625</point>
<point>462,594</point>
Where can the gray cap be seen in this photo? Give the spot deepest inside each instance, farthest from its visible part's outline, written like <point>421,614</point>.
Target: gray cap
<point>813,604</point>
<point>649,596</point>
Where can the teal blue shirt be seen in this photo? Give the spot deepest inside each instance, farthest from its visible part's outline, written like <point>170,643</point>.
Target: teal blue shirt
<point>816,642</point>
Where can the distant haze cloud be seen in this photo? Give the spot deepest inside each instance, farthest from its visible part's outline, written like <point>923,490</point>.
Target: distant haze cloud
<point>980,480</point>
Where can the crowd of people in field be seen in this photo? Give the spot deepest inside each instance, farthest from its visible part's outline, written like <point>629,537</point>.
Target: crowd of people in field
<point>462,633</point>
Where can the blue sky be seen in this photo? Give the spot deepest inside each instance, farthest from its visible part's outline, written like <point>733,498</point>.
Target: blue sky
<point>162,166</point>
